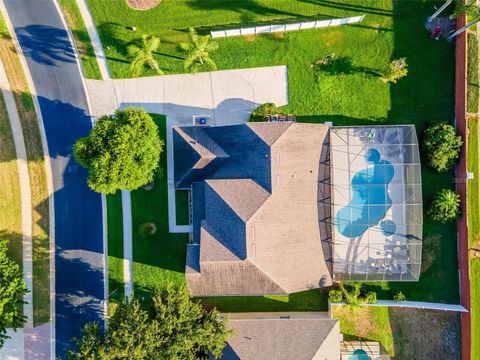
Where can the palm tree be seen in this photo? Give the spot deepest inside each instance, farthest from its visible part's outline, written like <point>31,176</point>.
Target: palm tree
<point>143,55</point>
<point>198,51</point>
<point>445,206</point>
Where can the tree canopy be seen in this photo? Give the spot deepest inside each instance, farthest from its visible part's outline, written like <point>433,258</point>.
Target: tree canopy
<point>12,288</point>
<point>171,325</point>
<point>121,152</point>
<point>441,146</point>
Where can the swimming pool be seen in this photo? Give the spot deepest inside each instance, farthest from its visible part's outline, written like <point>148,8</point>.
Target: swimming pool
<point>369,197</point>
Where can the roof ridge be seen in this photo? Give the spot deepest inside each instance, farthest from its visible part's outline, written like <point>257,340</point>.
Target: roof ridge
<point>268,277</point>
<point>332,326</point>
<point>228,195</point>
<point>200,149</point>
<point>269,137</point>
<point>205,226</point>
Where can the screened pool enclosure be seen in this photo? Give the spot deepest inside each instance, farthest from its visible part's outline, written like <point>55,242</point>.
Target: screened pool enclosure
<point>376,203</point>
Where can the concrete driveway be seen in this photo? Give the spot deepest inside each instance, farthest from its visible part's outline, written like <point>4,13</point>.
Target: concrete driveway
<point>228,97</point>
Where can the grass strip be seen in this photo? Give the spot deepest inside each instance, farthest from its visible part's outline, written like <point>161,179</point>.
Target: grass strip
<point>473,199</point>
<point>181,202</point>
<point>472,74</point>
<point>116,284</point>
<point>475,306</point>
<point>10,201</point>
<point>37,173</point>
<point>82,40</point>
<point>311,300</point>
<point>159,257</point>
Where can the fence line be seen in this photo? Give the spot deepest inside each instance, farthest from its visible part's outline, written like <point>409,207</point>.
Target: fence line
<point>286,27</point>
<point>411,304</point>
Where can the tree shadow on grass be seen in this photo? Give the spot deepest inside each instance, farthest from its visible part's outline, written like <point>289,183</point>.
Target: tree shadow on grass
<point>351,7</point>
<point>239,6</point>
<point>310,300</point>
<point>340,120</point>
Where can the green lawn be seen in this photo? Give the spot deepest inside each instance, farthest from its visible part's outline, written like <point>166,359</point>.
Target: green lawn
<point>475,306</point>
<point>472,74</point>
<point>312,300</point>
<point>181,198</point>
<point>82,40</point>
<point>390,30</point>
<point>474,232</point>
<point>159,257</point>
<point>115,246</point>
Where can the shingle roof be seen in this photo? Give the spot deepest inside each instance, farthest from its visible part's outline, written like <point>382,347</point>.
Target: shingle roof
<point>264,205</point>
<point>283,339</point>
<point>267,132</point>
<point>244,196</point>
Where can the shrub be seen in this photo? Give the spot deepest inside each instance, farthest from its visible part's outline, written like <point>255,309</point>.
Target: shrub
<point>397,69</point>
<point>335,296</point>
<point>445,206</point>
<point>147,229</point>
<point>441,146</point>
<point>260,113</point>
<point>399,296</point>
<point>371,297</point>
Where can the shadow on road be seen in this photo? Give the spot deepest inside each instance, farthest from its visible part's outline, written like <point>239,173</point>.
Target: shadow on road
<point>45,44</point>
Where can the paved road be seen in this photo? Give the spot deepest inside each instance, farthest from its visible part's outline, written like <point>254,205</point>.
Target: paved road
<point>78,217</point>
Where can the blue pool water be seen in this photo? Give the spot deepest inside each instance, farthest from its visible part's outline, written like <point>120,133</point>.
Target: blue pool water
<point>370,200</point>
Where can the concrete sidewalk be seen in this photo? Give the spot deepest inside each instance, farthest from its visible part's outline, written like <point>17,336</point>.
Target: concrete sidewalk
<point>25,193</point>
<point>94,38</point>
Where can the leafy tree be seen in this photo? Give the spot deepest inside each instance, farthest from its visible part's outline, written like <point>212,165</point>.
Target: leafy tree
<point>197,52</point>
<point>352,297</point>
<point>441,146</point>
<point>170,326</point>
<point>445,206</point>
<point>397,69</point>
<point>121,152</point>
<point>142,55</point>
<point>12,288</point>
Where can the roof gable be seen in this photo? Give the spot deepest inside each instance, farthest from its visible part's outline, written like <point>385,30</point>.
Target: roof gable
<point>267,132</point>
<point>243,196</point>
<point>212,249</point>
<point>279,339</point>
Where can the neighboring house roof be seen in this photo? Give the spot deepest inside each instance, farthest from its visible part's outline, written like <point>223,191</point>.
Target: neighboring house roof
<point>283,339</point>
<point>260,213</point>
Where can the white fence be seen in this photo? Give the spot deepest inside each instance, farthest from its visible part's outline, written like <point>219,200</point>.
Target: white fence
<point>286,27</point>
<point>410,304</point>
